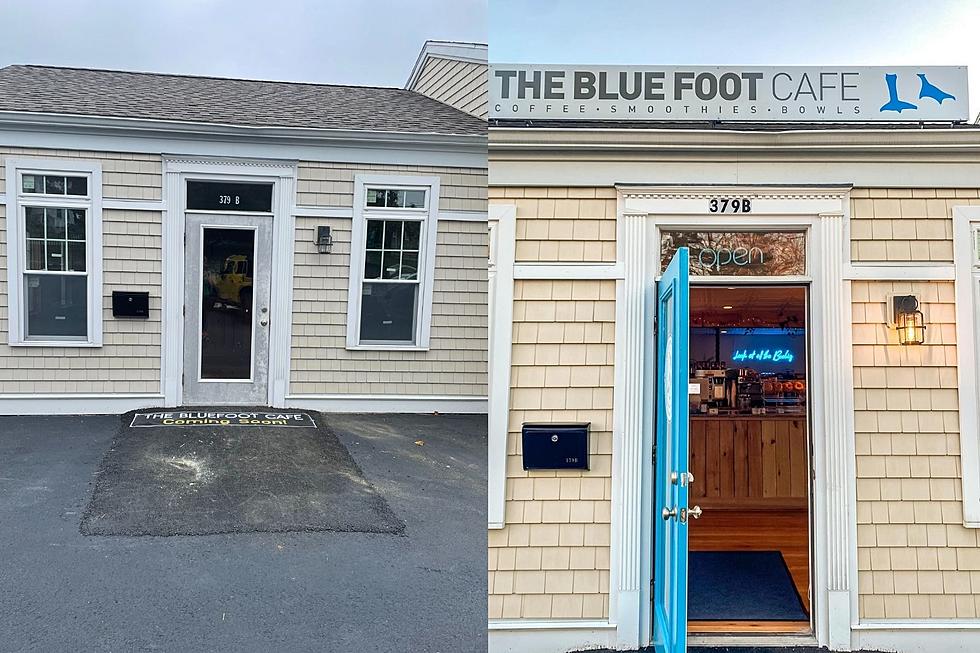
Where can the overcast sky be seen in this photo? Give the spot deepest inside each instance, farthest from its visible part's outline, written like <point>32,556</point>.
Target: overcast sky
<point>373,42</point>
<point>748,32</point>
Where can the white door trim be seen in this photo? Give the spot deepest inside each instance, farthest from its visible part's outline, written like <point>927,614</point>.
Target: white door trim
<point>503,229</point>
<point>824,212</point>
<point>965,220</point>
<point>282,175</point>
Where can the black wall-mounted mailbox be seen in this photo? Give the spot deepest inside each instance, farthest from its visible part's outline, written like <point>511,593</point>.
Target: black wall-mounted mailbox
<point>556,446</point>
<point>131,304</point>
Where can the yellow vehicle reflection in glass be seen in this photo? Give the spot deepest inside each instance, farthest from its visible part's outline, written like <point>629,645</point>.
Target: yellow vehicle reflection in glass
<point>232,287</point>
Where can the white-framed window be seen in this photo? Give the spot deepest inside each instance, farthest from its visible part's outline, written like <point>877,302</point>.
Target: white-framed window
<point>393,245</point>
<point>966,256</point>
<point>54,252</point>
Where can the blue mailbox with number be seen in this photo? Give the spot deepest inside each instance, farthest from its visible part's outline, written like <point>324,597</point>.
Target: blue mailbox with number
<point>555,446</point>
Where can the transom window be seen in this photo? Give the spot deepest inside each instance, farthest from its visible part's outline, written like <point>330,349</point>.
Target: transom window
<point>54,185</point>
<point>393,198</point>
<point>392,254</point>
<point>54,293</point>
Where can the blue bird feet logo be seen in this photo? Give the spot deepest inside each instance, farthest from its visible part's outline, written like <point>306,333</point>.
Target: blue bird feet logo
<point>927,90</point>
<point>933,91</point>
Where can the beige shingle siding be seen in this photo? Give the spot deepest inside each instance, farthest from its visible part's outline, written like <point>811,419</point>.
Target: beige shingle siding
<point>124,176</point>
<point>461,84</point>
<point>551,560</point>
<point>568,225</point>
<point>456,363</point>
<point>915,558</point>
<point>332,184</point>
<point>129,360</point>
<point>905,224</point>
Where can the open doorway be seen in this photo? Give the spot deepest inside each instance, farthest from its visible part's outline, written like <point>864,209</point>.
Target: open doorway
<point>749,564</point>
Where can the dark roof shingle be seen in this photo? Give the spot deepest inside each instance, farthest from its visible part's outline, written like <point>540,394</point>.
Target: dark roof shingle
<point>241,102</point>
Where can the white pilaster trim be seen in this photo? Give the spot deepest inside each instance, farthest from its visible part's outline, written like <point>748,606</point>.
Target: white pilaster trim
<point>503,227</point>
<point>965,221</point>
<point>576,271</point>
<point>628,414</point>
<point>832,415</point>
<point>172,293</point>
<point>281,300</point>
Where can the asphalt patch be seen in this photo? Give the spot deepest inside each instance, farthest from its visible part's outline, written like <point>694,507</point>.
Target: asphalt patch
<point>204,479</point>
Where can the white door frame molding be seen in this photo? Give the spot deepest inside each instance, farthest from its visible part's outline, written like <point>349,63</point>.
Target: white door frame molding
<point>503,230</point>
<point>824,213</point>
<point>282,174</point>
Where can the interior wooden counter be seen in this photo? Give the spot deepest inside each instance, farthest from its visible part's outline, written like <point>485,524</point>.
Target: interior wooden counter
<point>749,461</point>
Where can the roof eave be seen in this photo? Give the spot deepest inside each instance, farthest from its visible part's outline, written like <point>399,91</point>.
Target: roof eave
<point>221,131</point>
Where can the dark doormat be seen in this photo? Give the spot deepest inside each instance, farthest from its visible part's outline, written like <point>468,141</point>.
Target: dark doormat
<point>165,477</point>
<point>741,585</point>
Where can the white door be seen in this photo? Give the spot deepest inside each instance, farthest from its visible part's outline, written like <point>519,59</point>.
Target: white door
<point>226,309</point>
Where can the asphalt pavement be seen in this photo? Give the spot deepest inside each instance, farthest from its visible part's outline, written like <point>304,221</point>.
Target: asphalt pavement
<point>421,591</point>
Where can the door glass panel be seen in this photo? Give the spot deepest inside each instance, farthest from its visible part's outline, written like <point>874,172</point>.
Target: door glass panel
<point>226,303</point>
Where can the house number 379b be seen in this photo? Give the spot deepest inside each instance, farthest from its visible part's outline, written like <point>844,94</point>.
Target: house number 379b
<point>729,205</point>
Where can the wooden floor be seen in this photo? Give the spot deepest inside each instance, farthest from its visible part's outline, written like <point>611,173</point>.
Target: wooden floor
<point>786,531</point>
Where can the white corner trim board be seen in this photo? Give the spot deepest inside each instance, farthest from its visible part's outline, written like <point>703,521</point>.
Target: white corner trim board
<point>500,276</point>
<point>418,404</point>
<point>76,404</point>
<point>966,221</point>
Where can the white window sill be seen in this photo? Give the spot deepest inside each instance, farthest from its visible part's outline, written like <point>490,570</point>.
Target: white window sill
<point>56,343</point>
<point>386,348</point>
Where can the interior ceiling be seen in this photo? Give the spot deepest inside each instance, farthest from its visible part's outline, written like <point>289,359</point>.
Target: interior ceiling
<point>773,306</point>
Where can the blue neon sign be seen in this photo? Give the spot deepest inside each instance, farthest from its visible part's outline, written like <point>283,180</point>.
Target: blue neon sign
<point>771,355</point>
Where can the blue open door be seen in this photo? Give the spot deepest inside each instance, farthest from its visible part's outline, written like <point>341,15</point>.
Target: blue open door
<point>671,440</point>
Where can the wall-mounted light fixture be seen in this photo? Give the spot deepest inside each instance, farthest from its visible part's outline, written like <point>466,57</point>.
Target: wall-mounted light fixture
<point>909,320</point>
<point>324,241</point>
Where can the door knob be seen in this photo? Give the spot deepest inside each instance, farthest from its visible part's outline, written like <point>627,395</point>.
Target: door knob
<point>668,513</point>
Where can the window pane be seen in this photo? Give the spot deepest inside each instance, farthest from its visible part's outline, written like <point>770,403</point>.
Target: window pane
<point>393,234</point>
<point>388,311</point>
<point>35,254</point>
<point>390,270</point>
<point>396,198</point>
<point>76,256</point>
<point>412,230</point>
<point>226,304</point>
<point>410,264</point>
<point>415,199</point>
<point>372,265</point>
<point>56,255</point>
<point>35,222</point>
<point>77,186</point>
<point>56,305</point>
<point>56,223</point>
<point>54,185</point>
<point>375,229</point>
<point>375,197</point>
<point>32,183</point>
<point>76,224</point>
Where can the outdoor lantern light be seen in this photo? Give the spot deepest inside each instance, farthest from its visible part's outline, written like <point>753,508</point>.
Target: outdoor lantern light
<point>908,320</point>
<point>324,241</point>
